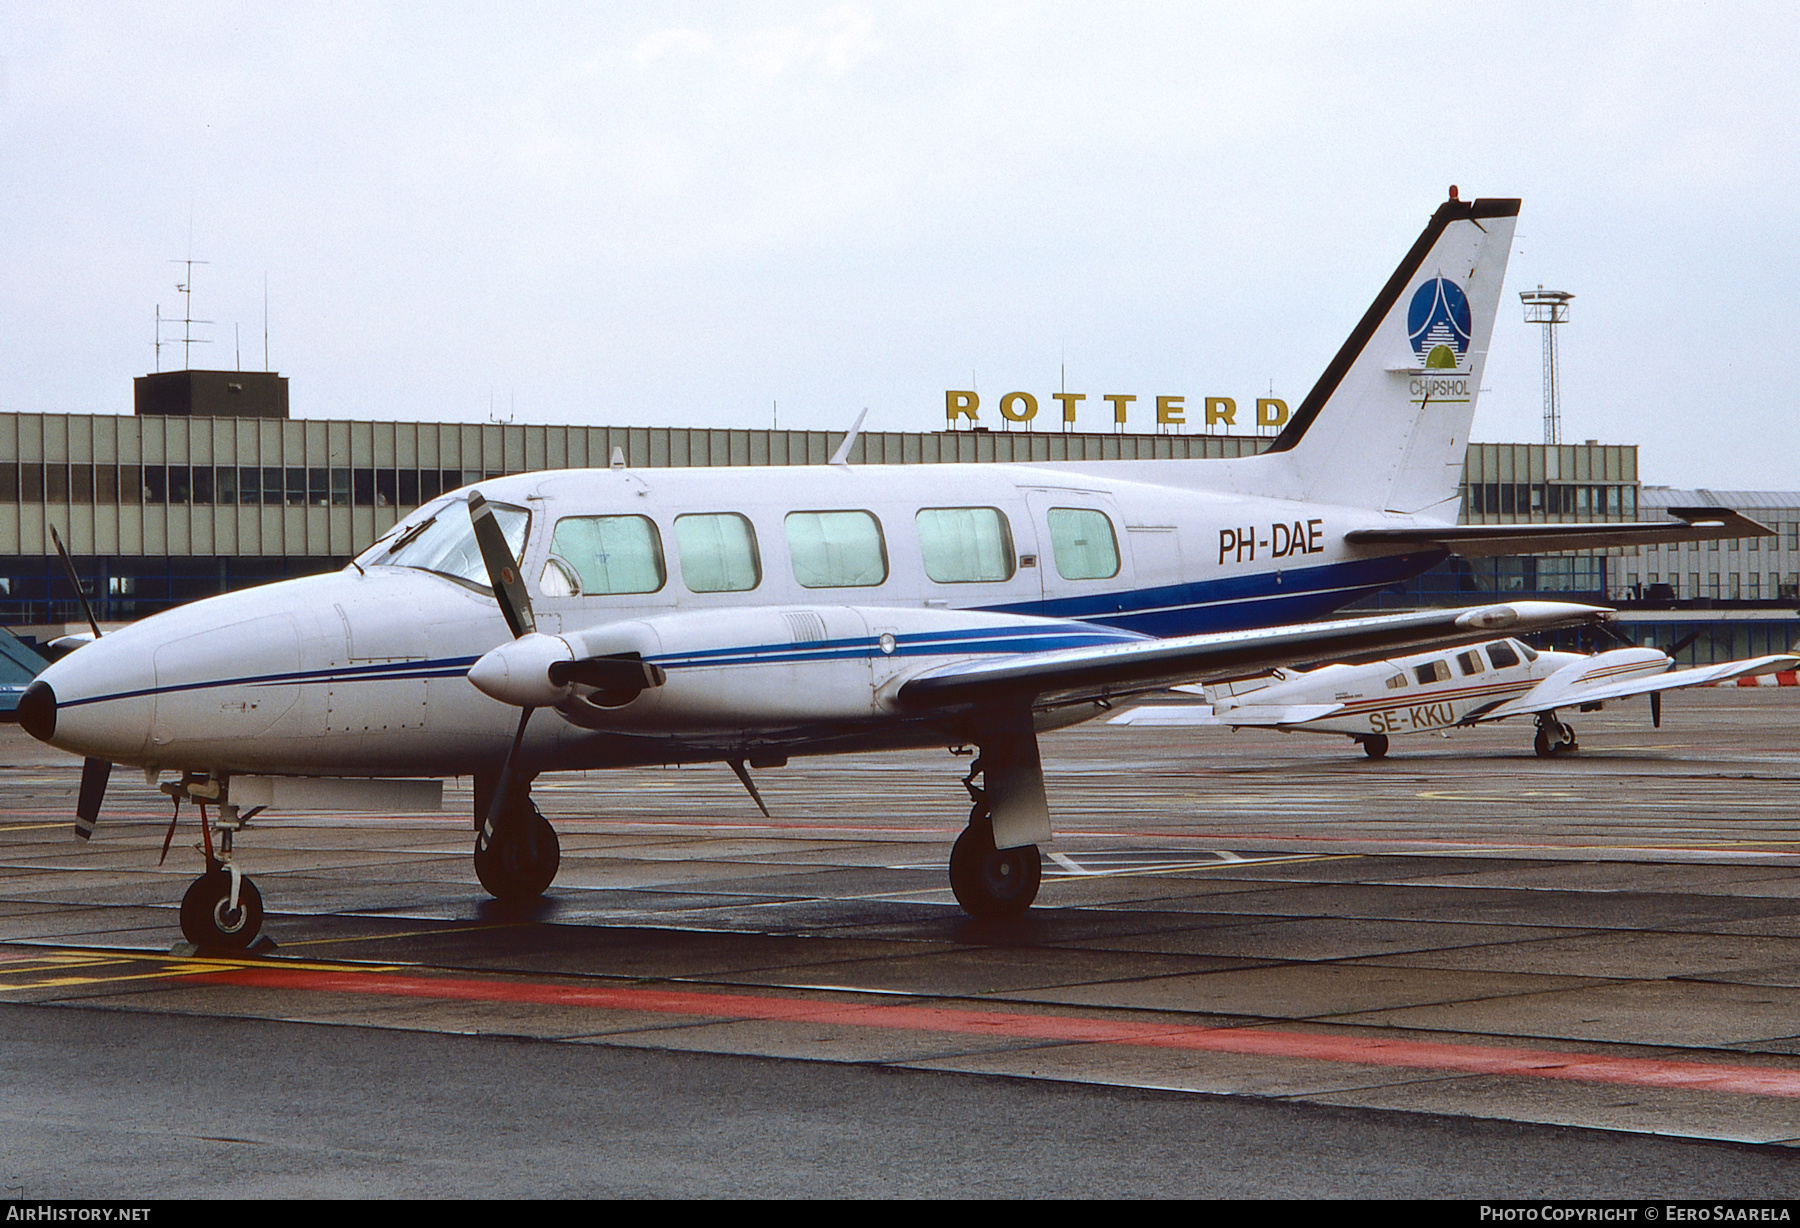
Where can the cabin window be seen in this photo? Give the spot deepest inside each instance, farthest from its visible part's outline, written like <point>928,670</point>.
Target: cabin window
<point>965,545</point>
<point>1470,662</point>
<point>836,549</point>
<point>1084,544</point>
<point>442,540</point>
<point>602,555</point>
<point>1432,671</point>
<point>1396,681</point>
<point>1502,655</point>
<point>718,553</point>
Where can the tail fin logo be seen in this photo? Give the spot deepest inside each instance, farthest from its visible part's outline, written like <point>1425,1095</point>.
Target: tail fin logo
<point>1438,324</point>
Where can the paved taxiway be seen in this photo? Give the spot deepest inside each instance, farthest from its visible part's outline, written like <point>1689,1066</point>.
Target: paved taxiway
<point>1450,956</point>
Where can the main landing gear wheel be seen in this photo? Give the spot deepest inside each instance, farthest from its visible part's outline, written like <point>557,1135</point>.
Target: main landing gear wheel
<point>522,859</point>
<point>210,922</point>
<point>1375,746</point>
<point>989,882</point>
<point>1554,738</point>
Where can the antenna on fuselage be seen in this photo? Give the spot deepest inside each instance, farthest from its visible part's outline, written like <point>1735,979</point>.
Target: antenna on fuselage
<point>842,455</point>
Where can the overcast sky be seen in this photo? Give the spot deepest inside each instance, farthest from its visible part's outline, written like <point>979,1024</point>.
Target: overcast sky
<point>683,213</point>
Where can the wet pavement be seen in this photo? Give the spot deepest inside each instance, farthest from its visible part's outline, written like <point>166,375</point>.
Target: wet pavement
<point>1609,940</point>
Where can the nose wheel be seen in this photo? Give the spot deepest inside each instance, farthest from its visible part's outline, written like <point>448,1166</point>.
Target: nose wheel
<point>217,917</point>
<point>221,911</point>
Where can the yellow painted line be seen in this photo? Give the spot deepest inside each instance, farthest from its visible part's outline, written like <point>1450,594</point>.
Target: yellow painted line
<point>163,968</point>
<point>59,982</point>
<point>1434,795</point>
<point>59,960</point>
<point>70,823</point>
<point>1190,867</point>
<point>451,929</point>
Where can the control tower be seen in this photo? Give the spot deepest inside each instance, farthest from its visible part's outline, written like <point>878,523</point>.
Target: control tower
<point>1549,308</point>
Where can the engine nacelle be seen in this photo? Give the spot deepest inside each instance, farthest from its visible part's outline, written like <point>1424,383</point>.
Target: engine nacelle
<point>746,669</point>
<point>735,669</point>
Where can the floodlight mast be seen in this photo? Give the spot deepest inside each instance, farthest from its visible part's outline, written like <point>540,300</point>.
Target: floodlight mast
<point>1549,308</point>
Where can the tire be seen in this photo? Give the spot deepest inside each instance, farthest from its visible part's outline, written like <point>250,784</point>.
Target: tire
<point>521,862</point>
<point>993,883</point>
<point>206,917</point>
<point>1542,745</point>
<point>1375,747</point>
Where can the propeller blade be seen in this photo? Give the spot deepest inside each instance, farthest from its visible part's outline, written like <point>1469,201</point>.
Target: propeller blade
<point>620,672</point>
<point>502,568</point>
<point>1656,709</point>
<point>75,582</point>
<point>1617,635</point>
<point>1684,641</point>
<point>94,775</point>
<point>503,786</point>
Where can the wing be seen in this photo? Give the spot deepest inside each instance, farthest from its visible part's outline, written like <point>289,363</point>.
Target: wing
<point>1476,540</point>
<point>1270,716</point>
<point>1539,699</point>
<point>1104,672</point>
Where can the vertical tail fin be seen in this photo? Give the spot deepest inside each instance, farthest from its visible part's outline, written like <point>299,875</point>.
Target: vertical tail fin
<point>1388,422</point>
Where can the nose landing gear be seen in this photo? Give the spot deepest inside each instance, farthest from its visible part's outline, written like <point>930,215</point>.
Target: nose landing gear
<point>222,910</point>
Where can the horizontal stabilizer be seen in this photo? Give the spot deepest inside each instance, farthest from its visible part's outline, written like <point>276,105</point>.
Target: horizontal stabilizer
<point>1479,540</point>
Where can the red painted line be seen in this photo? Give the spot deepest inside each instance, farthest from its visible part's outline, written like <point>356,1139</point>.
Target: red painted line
<point>1256,1042</point>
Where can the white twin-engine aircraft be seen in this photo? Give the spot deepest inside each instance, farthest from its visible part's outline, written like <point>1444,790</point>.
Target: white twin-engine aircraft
<point>1446,689</point>
<point>571,620</point>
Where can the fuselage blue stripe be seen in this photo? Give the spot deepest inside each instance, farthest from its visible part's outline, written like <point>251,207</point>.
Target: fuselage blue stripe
<point>1117,617</point>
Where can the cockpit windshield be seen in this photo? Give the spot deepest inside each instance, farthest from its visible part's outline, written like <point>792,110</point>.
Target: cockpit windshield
<point>441,539</point>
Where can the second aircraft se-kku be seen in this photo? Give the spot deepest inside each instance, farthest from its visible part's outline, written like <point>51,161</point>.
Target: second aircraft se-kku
<point>1449,688</point>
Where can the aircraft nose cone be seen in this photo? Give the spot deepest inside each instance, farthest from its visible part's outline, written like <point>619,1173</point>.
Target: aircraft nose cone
<point>37,711</point>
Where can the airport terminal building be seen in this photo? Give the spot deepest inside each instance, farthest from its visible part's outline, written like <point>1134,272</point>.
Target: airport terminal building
<point>162,508</point>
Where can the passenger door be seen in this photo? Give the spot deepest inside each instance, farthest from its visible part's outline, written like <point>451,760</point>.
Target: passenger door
<point>1080,535</point>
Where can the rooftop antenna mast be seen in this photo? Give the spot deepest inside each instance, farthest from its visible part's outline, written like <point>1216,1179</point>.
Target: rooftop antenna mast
<point>1549,308</point>
<point>186,288</point>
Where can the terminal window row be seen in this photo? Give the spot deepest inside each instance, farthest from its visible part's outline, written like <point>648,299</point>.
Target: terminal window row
<point>122,588</point>
<point>1727,586</point>
<point>1551,499</point>
<point>230,484</point>
<point>1787,535</point>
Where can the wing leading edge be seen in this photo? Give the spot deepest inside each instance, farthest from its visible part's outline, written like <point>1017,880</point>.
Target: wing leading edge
<point>1085,675</point>
<point>1557,692</point>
